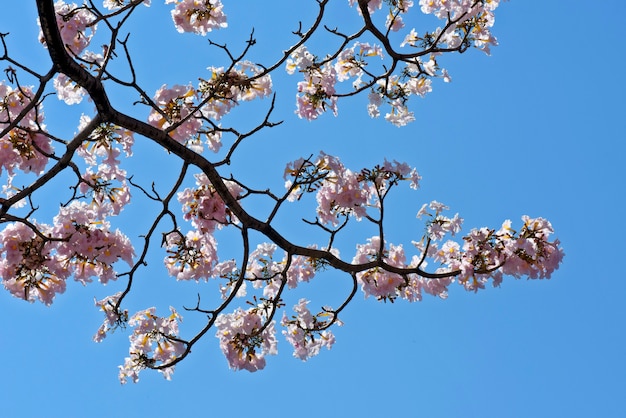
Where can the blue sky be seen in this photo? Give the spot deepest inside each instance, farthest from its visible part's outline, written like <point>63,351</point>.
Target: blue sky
<point>537,128</point>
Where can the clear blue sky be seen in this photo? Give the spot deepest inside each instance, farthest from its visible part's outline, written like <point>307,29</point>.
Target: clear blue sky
<point>537,128</point>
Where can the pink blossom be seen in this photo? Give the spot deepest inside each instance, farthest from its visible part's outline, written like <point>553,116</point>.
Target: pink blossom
<point>245,339</point>
<point>478,16</point>
<point>228,270</point>
<point>300,59</point>
<point>419,86</point>
<point>191,257</point>
<point>68,90</point>
<point>261,264</point>
<point>179,115</point>
<point>410,39</point>
<point>530,253</point>
<point>402,171</point>
<point>446,76</point>
<point>341,192</point>
<point>377,282</point>
<point>316,92</point>
<point>153,342</point>
<point>375,100</point>
<point>112,318</point>
<point>29,267</point>
<point>198,16</point>
<point>304,334</point>
<point>300,270</point>
<point>75,26</point>
<point>23,147</point>
<point>108,197</point>
<point>89,247</point>
<point>372,5</point>
<point>399,115</point>
<point>204,207</point>
<point>394,22</point>
<point>351,61</point>
<point>223,91</point>
<point>105,142</point>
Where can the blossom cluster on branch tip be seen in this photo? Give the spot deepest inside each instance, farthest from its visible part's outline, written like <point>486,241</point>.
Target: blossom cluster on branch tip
<point>340,191</point>
<point>35,265</point>
<point>76,26</point>
<point>192,256</point>
<point>103,180</point>
<point>198,16</point>
<point>189,113</point>
<point>153,342</point>
<point>113,317</point>
<point>203,206</point>
<point>246,338</point>
<point>24,147</point>
<point>306,332</point>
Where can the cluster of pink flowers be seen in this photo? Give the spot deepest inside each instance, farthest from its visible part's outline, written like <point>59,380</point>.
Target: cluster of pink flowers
<point>204,207</point>
<point>379,283</point>
<point>103,178</point>
<point>261,265</point>
<point>351,61</point>
<point>183,109</point>
<point>192,256</point>
<point>77,28</point>
<point>439,225</point>
<point>316,93</point>
<point>341,191</point>
<point>35,266</point>
<point>372,5</point>
<point>87,244</point>
<point>394,20</point>
<point>266,272</point>
<point>245,338</point>
<point>112,318</point>
<point>530,253</point>
<point>396,91</point>
<point>305,332</point>
<point>301,270</point>
<point>29,266</point>
<point>152,343</point>
<point>67,90</point>
<point>23,148</point>
<point>75,25</point>
<point>177,108</point>
<point>485,255</point>
<point>225,90</point>
<point>473,21</point>
<point>198,16</point>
